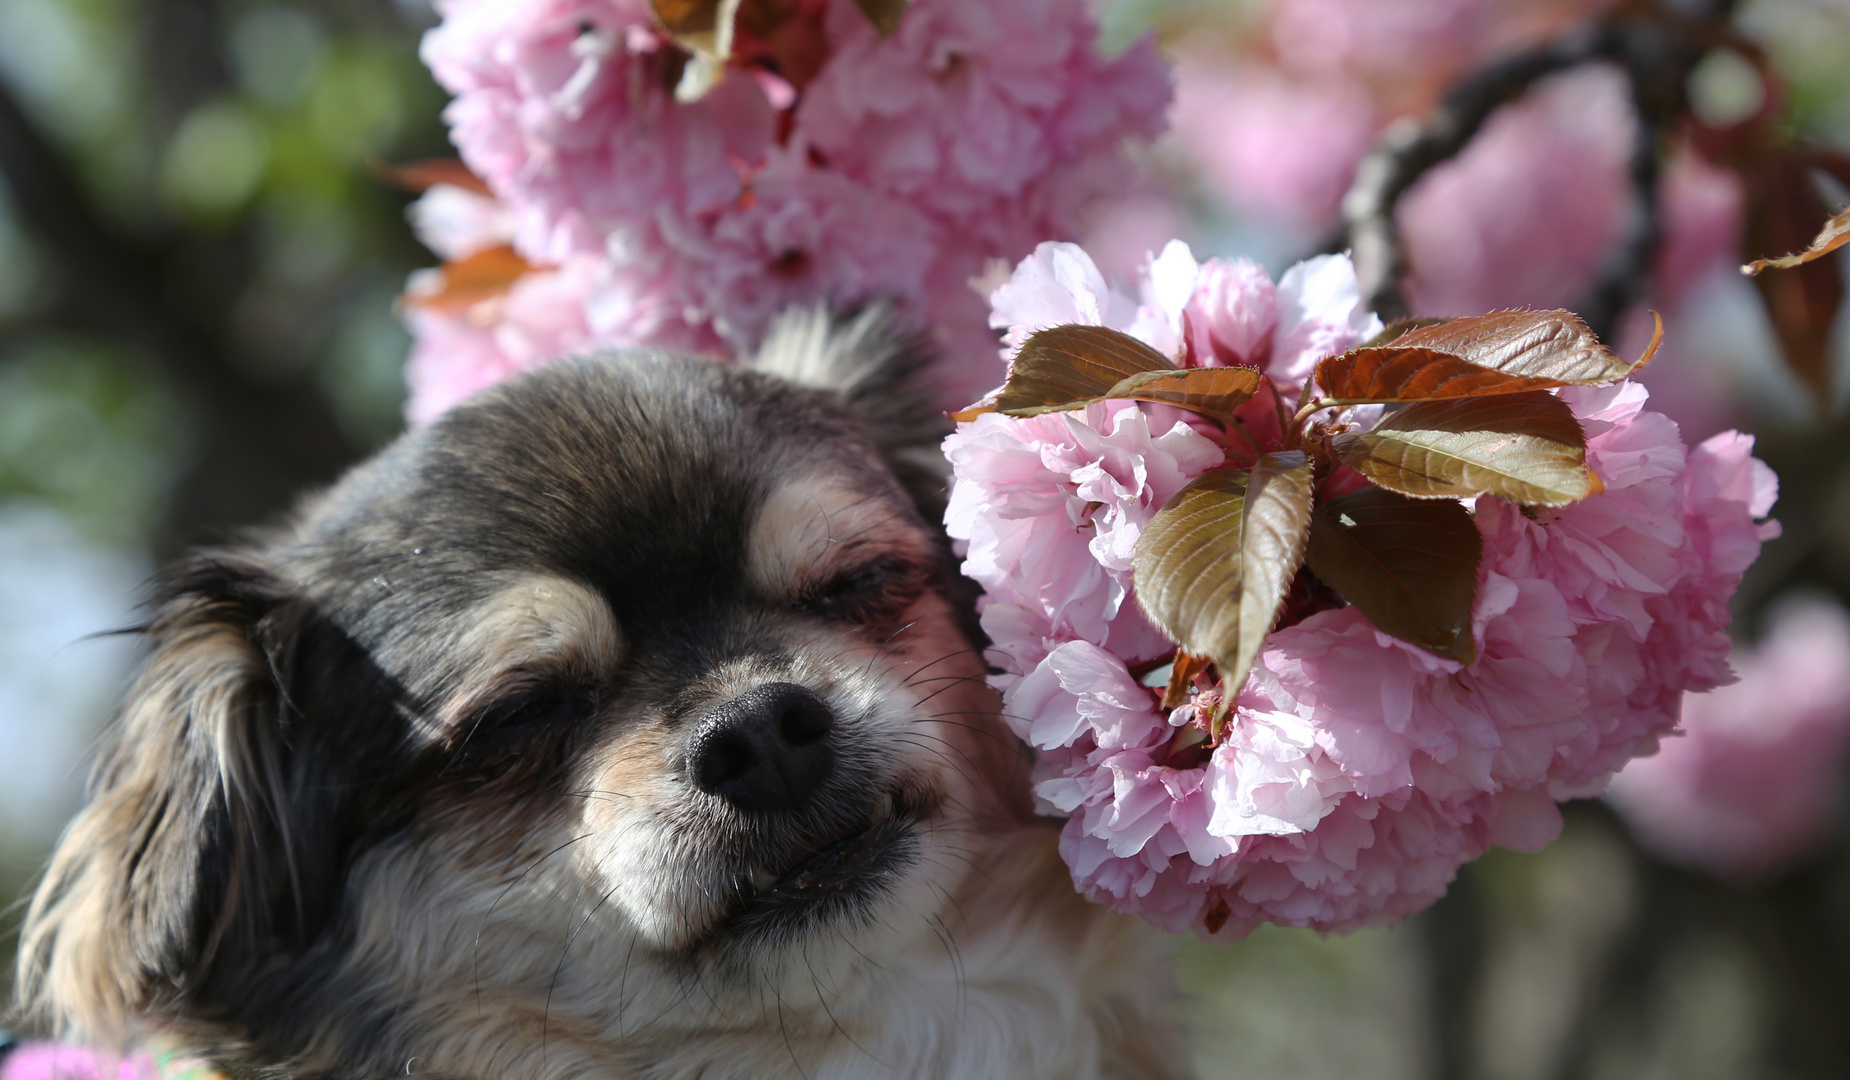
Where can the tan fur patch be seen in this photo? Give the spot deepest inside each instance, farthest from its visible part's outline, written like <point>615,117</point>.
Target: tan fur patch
<point>815,526</point>
<point>538,622</point>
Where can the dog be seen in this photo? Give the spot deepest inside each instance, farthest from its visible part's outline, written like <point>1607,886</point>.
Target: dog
<point>627,721</point>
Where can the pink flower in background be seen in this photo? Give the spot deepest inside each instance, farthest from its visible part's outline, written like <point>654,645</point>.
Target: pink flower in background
<point>1369,38</point>
<point>1702,207</point>
<point>895,173</point>
<point>1271,143</point>
<point>1525,216</point>
<point>1756,781</point>
<point>1359,771</point>
<point>1529,211</point>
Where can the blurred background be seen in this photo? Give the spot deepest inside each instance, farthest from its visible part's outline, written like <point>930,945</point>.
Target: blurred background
<point>199,264</point>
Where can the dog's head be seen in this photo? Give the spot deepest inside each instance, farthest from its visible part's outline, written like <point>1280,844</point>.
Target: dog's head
<point>599,711</point>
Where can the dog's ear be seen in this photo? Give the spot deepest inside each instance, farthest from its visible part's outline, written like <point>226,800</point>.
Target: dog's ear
<point>186,871</point>
<point>878,369</point>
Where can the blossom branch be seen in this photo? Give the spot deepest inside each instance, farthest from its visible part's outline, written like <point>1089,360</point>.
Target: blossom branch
<point>1656,51</point>
<point>1409,149</point>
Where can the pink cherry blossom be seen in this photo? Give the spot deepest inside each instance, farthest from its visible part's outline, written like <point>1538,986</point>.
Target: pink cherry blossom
<point>1232,311</point>
<point>1358,771</point>
<point>1756,780</point>
<point>807,236</point>
<point>456,223</point>
<point>1274,145</point>
<point>547,315</point>
<point>1001,118</point>
<point>566,108</point>
<point>1066,495</point>
<point>897,173</point>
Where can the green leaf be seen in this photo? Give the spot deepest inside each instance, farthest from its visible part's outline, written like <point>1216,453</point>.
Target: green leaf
<point>704,28</point>
<point>1553,345</point>
<point>1394,374</point>
<point>1212,392</point>
<point>1068,367</point>
<point>1526,448</point>
<point>1272,534</point>
<point>1408,565</point>
<point>1187,565</point>
<point>884,14</point>
<point>1213,566</point>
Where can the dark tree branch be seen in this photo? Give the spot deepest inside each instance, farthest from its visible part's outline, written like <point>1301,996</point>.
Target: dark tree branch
<point>1453,934</point>
<point>1657,51</point>
<point>255,442</point>
<point>1657,58</point>
<point>1409,149</point>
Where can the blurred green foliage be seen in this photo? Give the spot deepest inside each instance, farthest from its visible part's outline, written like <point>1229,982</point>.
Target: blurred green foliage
<point>238,141</point>
<point>270,148</point>
<point>89,431</point>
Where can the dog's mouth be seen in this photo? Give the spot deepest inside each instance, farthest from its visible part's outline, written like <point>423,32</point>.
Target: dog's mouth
<point>841,874</point>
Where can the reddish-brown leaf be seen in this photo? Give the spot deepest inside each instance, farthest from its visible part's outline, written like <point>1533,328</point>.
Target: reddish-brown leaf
<point>1835,234</point>
<point>1526,448</point>
<point>1396,373</point>
<point>1213,566</point>
<point>424,175</point>
<point>1538,344</point>
<point>884,14</point>
<point>1408,565</point>
<point>696,24</point>
<point>428,174</point>
<point>704,28</point>
<point>1212,392</point>
<point>1182,676</point>
<point>783,37</point>
<point>1273,526</point>
<point>1187,565</point>
<point>1801,303</point>
<point>486,274</point>
<point>1068,367</point>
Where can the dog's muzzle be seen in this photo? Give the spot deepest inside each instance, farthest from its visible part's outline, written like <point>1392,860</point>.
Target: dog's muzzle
<point>766,750</point>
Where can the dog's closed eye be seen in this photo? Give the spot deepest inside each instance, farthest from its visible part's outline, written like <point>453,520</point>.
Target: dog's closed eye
<point>536,708</point>
<point>875,592</point>
<point>530,708</point>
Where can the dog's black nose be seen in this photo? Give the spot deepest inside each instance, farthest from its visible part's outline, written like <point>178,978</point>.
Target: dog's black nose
<point>767,749</point>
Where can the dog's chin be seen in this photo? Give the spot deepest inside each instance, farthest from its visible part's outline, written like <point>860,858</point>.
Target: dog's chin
<point>835,879</point>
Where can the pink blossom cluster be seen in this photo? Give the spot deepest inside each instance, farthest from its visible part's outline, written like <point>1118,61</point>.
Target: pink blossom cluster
<point>1359,771</point>
<point>1756,782</point>
<point>50,1061</point>
<point>895,171</point>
